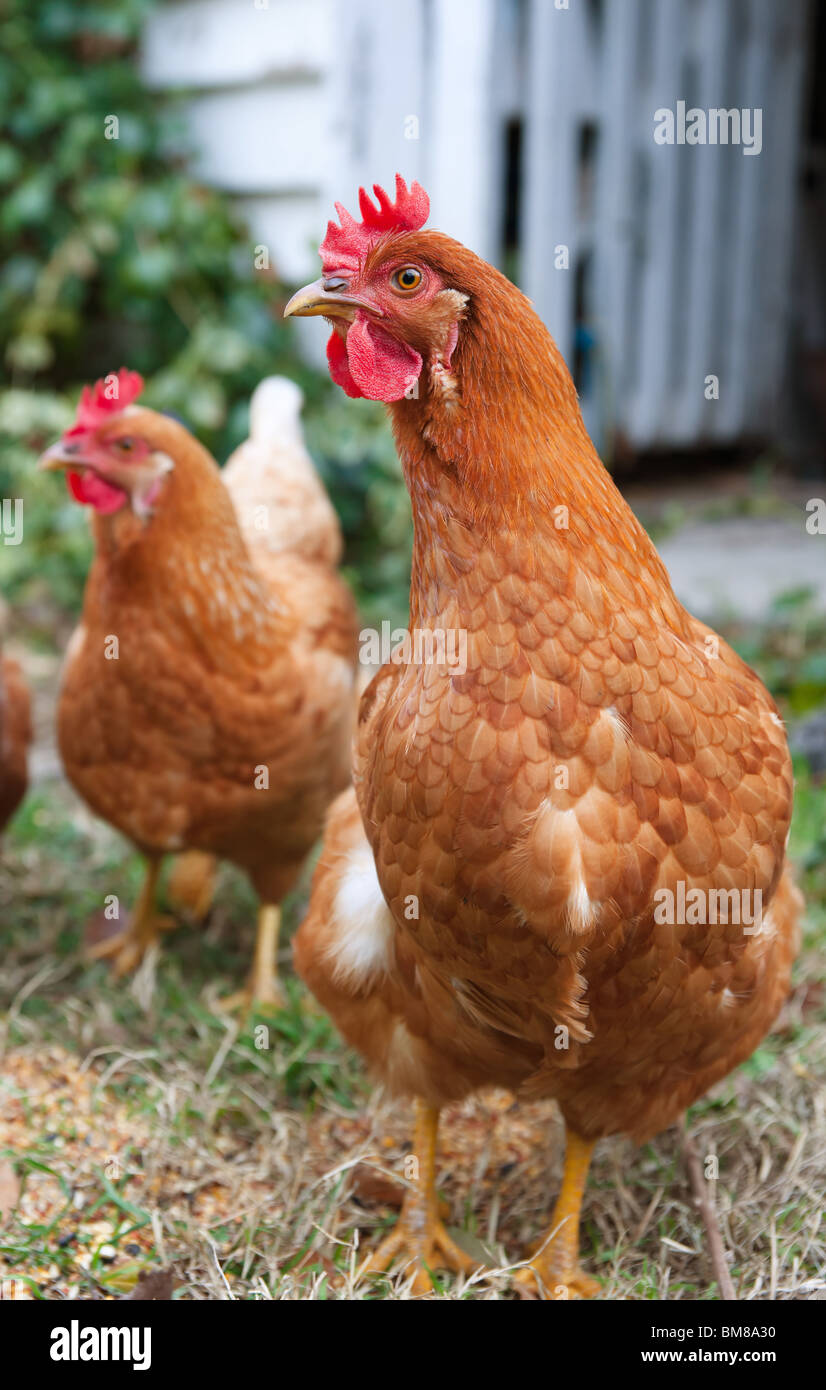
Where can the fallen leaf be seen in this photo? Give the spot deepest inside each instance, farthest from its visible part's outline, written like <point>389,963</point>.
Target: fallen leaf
<point>155,1287</point>
<point>371,1186</point>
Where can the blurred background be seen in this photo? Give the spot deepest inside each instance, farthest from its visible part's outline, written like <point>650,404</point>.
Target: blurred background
<point>168,168</point>
<point>166,174</point>
<point>530,124</point>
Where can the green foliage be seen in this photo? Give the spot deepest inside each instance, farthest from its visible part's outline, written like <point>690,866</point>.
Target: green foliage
<point>789,651</point>
<point>113,254</point>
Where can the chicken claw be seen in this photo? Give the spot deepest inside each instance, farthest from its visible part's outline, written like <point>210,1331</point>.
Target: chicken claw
<point>422,1243</point>
<point>547,1279</point>
<point>127,948</point>
<point>419,1237</point>
<point>554,1273</point>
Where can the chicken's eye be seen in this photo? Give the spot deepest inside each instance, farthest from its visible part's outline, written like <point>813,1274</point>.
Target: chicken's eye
<point>125,445</point>
<point>406,279</point>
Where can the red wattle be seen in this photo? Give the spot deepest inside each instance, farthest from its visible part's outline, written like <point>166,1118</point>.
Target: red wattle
<point>93,491</point>
<point>339,371</point>
<point>382,368</point>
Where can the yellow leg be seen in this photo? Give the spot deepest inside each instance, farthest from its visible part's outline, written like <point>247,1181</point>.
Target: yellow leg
<point>554,1271</point>
<point>128,947</point>
<point>262,990</point>
<point>419,1238</point>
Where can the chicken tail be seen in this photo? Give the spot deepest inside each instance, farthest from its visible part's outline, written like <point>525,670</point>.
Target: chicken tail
<point>278,496</point>
<point>275,411</point>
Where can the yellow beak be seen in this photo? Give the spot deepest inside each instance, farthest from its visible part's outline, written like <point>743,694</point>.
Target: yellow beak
<point>56,457</point>
<point>328,296</point>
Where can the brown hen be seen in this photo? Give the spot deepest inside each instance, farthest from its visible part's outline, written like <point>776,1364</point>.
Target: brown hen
<point>207,696</point>
<point>562,867</point>
<point>15,737</point>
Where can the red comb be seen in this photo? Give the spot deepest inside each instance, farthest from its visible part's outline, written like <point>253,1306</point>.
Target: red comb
<point>108,396</point>
<point>345,245</point>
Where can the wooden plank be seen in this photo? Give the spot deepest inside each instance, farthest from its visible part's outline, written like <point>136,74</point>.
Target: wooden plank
<point>260,139</point>
<point>616,219</point>
<point>462,154</point>
<point>416,117</point>
<point>648,403</point>
<point>550,166</point>
<point>772,302</point>
<point>750,179</point>
<point>510,38</point>
<point>291,226</point>
<point>693,416</point>
<point>377,107</point>
<point>721,270</point>
<point>220,43</point>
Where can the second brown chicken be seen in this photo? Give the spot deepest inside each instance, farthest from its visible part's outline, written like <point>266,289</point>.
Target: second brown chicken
<point>208,692</point>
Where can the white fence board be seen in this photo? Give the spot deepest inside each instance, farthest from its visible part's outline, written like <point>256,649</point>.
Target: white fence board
<point>260,138</point>
<point>615,212</point>
<point>693,415</point>
<point>425,115</point>
<point>744,351</point>
<point>782,100</point>
<point>462,153</point>
<point>287,224</point>
<point>651,388</point>
<point>220,43</point>
<point>549,182</point>
<point>378,95</point>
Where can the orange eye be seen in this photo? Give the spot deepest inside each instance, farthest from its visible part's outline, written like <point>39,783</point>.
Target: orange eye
<point>406,279</point>
<point>124,444</point>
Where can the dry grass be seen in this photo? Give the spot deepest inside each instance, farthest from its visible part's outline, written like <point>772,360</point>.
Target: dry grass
<point>130,1160</point>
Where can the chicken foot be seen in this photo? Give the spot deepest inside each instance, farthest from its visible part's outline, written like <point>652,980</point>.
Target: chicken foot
<point>127,948</point>
<point>419,1237</point>
<point>553,1272</point>
<point>262,990</point>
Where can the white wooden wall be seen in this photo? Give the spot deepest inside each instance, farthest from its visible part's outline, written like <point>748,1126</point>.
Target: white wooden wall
<point>257,100</point>
<point>294,103</point>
